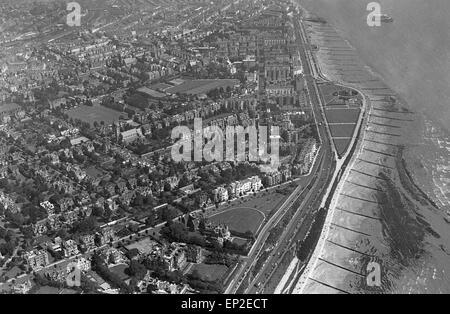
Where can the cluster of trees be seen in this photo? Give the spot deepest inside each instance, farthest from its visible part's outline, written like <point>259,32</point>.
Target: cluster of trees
<point>9,244</point>
<point>42,280</point>
<point>30,212</point>
<point>217,93</point>
<point>33,212</point>
<point>136,270</point>
<point>85,226</point>
<point>220,258</point>
<point>177,232</point>
<point>168,213</point>
<point>16,219</point>
<point>137,100</point>
<point>194,280</point>
<point>161,134</point>
<point>209,179</point>
<point>188,205</point>
<point>99,266</point>
<point>139,147</point>
<point>307,245</point>
<point>140,201</point>
<point>32,189</point>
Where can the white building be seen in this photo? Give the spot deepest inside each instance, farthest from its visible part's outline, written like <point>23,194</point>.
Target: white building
<point>37,259</point>
<point>221,194</point>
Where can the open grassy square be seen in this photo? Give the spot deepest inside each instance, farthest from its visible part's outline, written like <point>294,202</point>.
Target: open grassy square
<point>248,214</point>
<point>119,270</point>
<point>239,241</point>
<point>263,201</point>
<point>240,219</point>
<point>210,272</point>
<point>342,145</point>
<point>342,130</point>
<point>342,115</point>
<point>95,113</point>
<point>335,94</point>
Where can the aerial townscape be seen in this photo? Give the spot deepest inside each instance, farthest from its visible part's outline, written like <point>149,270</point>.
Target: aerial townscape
<point>92,199</point>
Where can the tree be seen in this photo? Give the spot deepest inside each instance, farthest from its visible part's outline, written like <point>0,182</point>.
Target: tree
<point>98,211</point>
<point>86,226</point>
<point>190,224</point>
<point>151,221</point>
<point>137,270</point>
<point>7,248</point>
<point>16,219</point>
<point>167,187</point>
<point>202,225</point>
<point>151,288</point>
<point>195,275</point>
<point>138,200</point>
<point>62,233</point>
<point>175,232</point>
<point>2,233</point>
<point>183,181</point>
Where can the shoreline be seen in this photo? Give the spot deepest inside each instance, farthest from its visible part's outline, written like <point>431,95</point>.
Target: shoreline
<point>355,146</point>
<point>382,133</point>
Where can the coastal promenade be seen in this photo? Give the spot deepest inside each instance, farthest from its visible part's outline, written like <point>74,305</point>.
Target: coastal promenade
<point>339,175</point>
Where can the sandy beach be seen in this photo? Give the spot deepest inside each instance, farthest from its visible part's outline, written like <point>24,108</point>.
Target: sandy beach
<point>382,212</point>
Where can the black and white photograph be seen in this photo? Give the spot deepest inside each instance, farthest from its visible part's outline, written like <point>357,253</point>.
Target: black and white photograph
<point>229,154</point>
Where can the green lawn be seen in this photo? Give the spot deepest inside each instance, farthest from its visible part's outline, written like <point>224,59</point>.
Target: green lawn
<point>241,219</point>
<point>342,130</point>
<point>342,145</point>
<point>210,272</point>
<point>119,270</point>
<point>342,115</point>
<point>263,201</point>
<point>95,113</point>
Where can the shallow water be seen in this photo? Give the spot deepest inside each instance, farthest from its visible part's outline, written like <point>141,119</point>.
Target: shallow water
<point>412,54</point>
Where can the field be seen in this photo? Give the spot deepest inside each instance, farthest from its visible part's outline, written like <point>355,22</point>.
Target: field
<point>341,145</point>
<point>249,213</point>
<point>210,272</point>
<point>263,201</point>
<point>337,119</point>
<point>342,110</point>
<point>196,87</point>
<point>330,93</point>
<point>342,130</point>
<point>240,219</point>
<point>239,241</point>
<point>96,113</point>
<point>342,115</point>
<point>119,270</point>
